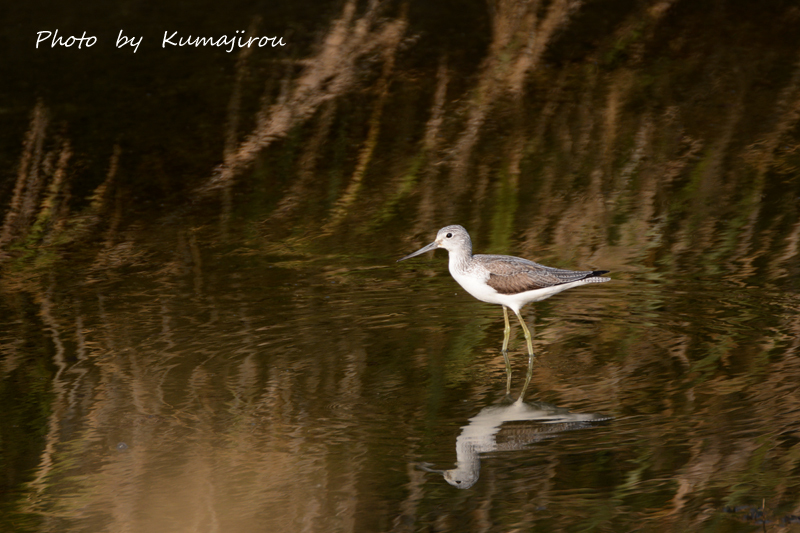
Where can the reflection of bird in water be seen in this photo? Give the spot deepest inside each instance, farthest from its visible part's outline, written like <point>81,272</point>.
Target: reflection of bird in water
<point>506,280</point>
<point>480,436</point>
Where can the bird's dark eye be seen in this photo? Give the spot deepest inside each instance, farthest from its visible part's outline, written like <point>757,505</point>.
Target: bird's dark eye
<point>449,235</point>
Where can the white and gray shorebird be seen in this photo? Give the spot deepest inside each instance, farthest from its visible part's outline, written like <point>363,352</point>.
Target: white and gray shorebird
<point>509,281</point>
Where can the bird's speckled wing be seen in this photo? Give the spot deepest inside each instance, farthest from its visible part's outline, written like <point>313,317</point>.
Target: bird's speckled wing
<point>513,275</point>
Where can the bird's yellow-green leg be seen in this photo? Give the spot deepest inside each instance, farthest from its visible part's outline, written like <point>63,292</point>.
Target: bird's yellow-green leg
<point>530,354</point>
<point>505,351</point>
<point>508,329</point>
<point>527,333</point>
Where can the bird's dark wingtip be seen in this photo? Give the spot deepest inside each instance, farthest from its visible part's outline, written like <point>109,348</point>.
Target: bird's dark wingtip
<point>599,273</point>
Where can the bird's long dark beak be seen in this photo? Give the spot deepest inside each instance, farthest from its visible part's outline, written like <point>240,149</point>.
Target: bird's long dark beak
<point>427,468</point>
<point>432,246</point>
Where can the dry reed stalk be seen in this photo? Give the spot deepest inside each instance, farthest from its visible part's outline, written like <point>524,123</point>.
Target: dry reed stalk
<point>513,23</point>
<point>52,210</point>
<point>28,178</point>
<point>763,156</point>
<point>326,76</point>
<point>350,195</point>
<point>426,210</point>
<point>305,182</point>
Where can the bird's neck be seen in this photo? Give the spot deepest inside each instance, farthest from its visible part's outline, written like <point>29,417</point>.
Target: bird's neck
<point>460,259</point>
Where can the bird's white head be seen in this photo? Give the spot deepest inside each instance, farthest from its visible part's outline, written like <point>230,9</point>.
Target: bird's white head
<point>454,239</point>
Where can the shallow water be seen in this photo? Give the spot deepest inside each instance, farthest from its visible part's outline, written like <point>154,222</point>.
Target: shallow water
<point>203,326</point>
<point>246,392</point>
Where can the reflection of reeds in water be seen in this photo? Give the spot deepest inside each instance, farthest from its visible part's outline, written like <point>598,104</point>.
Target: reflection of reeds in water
<point>38,218</point>
<point>612,183</point>
<point>20,211</point>
<point>58,408</point>
<point>519,38</point>
<point>776,152</point>
<point>227,420</point>
<point>350,195</point>
<point>330,74</point>
<point>583,162</point>
<point>39,207</point>
<point>128,414</point>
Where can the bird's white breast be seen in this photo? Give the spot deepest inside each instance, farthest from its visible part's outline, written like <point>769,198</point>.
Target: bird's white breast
<point>476,285</point>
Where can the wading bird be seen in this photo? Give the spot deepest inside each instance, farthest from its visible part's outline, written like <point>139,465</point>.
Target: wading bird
<point>509,281</point>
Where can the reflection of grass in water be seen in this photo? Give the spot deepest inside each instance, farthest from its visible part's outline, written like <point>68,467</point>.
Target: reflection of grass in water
<point>459,355</point>
<point>36,220</point>
<point>404,187</point>
<point>351,194</point>
<point>504,215</point>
